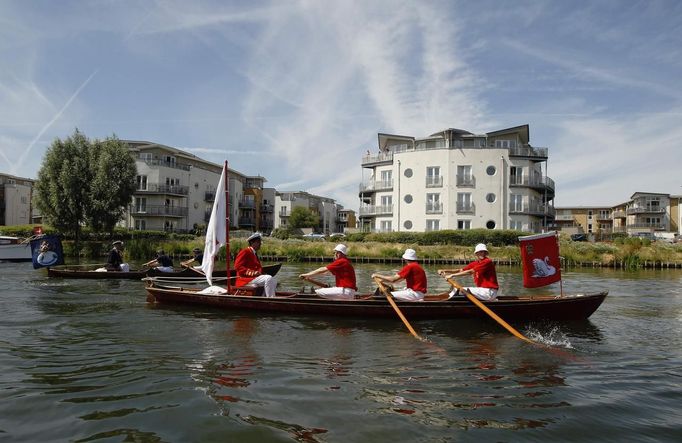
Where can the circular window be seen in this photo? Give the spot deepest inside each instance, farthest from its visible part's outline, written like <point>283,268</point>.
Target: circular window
<point>490,170</point>
<point>408,172</point>
<point>407,224</point>
<point>490,224</point>
<point>408,198</point>
<point>490,198</point>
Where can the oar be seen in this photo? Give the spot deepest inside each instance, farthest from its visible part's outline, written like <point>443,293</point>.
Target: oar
<point>485,309</point>
<point>191,268</point>
<point>389,297</point>
<point>316,282</point>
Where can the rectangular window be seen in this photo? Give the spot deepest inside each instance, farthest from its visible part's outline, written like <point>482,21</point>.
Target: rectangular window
<point>515,175</point>
<point>516,203</point>
<point>386,176</point>
<point>141,182</point>
<point>464,177</point>
<point>433,204</point>
<point>386,226</point>
<point>140,204</point>
<point>589,214</point>
<point>433,177</point>
<point>505,143</point>
<point>463,224</point>
<point>386,200</point>
<point>432,225</point>
<point>140,225</point>
<point>516,225</point>
<point>464,204</point>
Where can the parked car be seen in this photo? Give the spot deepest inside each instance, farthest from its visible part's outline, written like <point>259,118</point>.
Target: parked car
<point>312,236</point>
<point>579,237</point>
<point>337,235</point>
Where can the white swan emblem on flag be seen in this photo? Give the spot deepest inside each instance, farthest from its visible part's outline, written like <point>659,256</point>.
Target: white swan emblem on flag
<point>543,268</point>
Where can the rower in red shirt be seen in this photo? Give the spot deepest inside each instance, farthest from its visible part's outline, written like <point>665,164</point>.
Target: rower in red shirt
<point>485,276</point>
<point>248,267</point>
<point>343,271</point>
<point>414,276</point>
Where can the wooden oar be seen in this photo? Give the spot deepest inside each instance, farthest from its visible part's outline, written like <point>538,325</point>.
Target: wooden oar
<point>389,297</point>
<point>316,282</point>
<point>485,309</point>
<point>191,268</point>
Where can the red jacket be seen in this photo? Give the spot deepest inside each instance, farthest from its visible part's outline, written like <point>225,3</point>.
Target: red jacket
<point>247,266</point>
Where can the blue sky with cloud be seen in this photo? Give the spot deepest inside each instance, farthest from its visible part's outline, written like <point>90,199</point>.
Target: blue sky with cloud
<point>296,91</point>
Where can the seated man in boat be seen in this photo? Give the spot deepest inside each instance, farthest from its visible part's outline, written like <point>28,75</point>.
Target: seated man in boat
<point>485,276</point>
<point>162,262</point>
<point>414,276</point>
<point>248,267</point>
<point>343,271</point>
<point>115,259</point>
<point>198,257</point>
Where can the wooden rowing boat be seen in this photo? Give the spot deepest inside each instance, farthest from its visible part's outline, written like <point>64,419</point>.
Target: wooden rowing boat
<point>566,307</point>
<point>71,272</point>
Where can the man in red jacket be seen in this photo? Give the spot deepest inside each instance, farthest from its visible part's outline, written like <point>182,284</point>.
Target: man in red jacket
<point>249,269</point>
<point>414,276</point>
<point>483,270</point>
<point>344,274</point>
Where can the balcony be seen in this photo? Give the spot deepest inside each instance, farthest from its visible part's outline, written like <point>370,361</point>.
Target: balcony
<point>382,158</point>
<point>246,221</point>
<point>166,164</point>
<point>537,210</point>
<point>541,184</point>
<point>158,211</point>
<point>466,208</point>
<point>164,189</point>
<point>644,225</point>
<point>268,209</point>
<point>247,204</point>
<point>604,217</point>
<point>619,214</point>
<point>564,217</point>
<point>646,210</point>
<point>539,154</point>
<point>434,208</point>
<point>434,181</point>
<point>374,210</point>
<point>466,181</point>
<point>374,186</point>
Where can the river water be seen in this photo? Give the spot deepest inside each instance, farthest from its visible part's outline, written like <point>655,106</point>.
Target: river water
<point>92,361</point>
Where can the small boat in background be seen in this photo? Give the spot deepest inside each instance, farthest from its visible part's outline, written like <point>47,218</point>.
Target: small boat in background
<point>81,272</point>
<point>15,249</point>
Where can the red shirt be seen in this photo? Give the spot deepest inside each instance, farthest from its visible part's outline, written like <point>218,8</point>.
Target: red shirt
<point>414,276</point>
<point>484,273</point>
<point>247,266</point>
<point>344,273</point>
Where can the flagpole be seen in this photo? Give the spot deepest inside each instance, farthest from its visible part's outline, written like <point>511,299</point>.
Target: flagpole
<point>227,227</point>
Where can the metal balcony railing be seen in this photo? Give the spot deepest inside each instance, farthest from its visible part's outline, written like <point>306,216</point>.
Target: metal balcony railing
<point>158,210</point>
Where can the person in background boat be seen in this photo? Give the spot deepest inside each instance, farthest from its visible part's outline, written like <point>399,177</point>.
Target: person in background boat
<point>414,276</point>
<point>485,276</point>
<point>342,269</point>
<point>115,259</point>
<point>248,267</point>
<point>198,257</point>
<point>162,262</point>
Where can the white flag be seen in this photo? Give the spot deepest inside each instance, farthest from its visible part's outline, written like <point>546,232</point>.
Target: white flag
<point>215,234</point>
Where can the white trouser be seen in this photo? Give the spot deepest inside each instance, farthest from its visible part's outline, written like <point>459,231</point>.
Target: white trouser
<point>336,292</point>
<point>125,267</point>
<point>485,294</point>
<point>268,282</point>
<point>408,295</point>
<point>164,268</point>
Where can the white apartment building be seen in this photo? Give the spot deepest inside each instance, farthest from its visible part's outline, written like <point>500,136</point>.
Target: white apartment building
<point>15,200</point>
<point>176,189</point>
<point>455,179</point>
<point>326,208</point>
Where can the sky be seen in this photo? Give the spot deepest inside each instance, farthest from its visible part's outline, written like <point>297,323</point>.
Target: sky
<point>296,91</point>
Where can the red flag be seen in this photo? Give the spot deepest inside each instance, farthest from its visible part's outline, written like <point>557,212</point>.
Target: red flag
<point>540,259</point>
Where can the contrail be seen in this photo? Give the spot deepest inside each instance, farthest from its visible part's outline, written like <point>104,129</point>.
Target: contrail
<point>50,123</point>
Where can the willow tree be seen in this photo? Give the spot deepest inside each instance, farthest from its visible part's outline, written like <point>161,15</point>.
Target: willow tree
<point>85,182</point>
<point>62,188</point>
<point>112,185</point>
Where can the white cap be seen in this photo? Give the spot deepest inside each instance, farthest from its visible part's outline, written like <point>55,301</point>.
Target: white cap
<point>342,249</point>
<point>480,247</point>
<point>254,236</point>
<point>410,254</point>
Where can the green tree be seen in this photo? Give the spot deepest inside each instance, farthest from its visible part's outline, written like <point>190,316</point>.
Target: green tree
<point>62,188</point>
<point>112,185</point>
<point>303,218</point>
